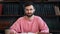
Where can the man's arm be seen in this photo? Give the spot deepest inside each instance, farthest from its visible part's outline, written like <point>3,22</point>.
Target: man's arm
<point>43,26</point>
<point>15,28</point>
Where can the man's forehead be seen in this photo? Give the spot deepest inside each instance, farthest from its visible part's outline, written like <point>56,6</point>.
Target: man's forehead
<point>30,6</point>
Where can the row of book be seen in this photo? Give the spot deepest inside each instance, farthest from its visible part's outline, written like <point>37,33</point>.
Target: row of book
<point>9,0</point>
<point>10,9</point>
<point>23,0</point>
<point>17,9</point>
<point>7,22</point>
<point>45,9</point>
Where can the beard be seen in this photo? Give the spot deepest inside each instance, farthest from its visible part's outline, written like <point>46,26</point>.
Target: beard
<point>29,14</point>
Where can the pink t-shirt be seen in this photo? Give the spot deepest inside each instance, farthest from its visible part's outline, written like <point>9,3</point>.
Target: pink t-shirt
<point>34,25</point>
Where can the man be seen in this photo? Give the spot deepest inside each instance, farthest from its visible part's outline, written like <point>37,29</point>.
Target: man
<point>29,22</point>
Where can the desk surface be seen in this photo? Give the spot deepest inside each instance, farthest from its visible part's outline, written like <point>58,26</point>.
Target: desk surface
<point>35,33</point>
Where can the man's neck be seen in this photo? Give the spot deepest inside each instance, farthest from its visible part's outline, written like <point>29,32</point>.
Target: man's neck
<point>29,18</point>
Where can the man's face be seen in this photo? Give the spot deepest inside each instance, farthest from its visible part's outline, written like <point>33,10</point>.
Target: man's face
<point>29,10</point>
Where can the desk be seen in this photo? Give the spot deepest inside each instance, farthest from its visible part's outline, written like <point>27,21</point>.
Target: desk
<point>35,33</point>
<point>8,32</point>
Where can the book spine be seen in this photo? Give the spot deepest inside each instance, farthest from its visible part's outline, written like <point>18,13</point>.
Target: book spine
<point>0,9</point>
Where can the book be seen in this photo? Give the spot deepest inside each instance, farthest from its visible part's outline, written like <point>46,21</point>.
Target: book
<point>0,9</point>
<point>57,11</point>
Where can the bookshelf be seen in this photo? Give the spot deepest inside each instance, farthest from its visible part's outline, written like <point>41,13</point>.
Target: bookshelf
<point>11,10</point>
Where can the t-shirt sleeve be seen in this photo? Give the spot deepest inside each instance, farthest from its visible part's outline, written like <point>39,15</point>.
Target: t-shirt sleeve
<point>15,28</point>
<point>42,25</point>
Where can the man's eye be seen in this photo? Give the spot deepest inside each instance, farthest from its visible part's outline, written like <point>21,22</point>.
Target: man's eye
<point>26,9</point>
<point>30,9</point>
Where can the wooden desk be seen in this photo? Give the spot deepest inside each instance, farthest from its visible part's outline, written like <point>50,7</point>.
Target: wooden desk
<point>8,32</point>
<point>35,33</point>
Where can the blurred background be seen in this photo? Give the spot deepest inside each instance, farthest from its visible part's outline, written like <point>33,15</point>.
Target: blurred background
<point>49,10</point>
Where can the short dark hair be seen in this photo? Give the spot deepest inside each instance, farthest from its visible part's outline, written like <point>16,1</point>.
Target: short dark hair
<point>28,4</point>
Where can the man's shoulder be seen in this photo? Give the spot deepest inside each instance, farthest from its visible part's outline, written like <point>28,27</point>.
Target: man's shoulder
<point>38,17</point>
<point>20,18</point>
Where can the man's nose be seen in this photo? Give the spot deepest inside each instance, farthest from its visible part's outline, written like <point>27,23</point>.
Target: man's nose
<point>29,11</point>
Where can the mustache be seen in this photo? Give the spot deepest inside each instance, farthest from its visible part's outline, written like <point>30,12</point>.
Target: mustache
<point>28,14</point>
